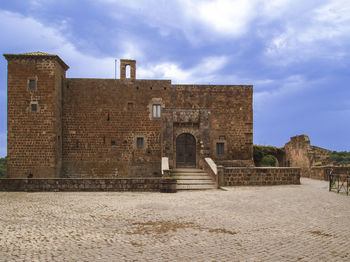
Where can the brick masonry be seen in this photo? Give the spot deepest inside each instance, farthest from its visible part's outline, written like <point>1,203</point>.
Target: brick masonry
<point>88,128</point>
<point>78,184</point>
<point>237,176</point>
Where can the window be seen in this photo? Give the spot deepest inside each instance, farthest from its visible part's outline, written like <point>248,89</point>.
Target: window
<point>32,84</point>
<point>220,149</point>
<point>112,143</point>
<point>140,142</point>
<point>156,111</point>
<point>33,107</point>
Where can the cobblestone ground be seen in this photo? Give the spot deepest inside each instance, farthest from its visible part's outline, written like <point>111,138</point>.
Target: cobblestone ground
<point>279,223</point>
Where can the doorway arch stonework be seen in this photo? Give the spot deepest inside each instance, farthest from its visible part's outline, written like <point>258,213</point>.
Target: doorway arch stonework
<point>186,151</point>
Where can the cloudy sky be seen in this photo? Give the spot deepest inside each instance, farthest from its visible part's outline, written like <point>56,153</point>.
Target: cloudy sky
<point>296,53</point>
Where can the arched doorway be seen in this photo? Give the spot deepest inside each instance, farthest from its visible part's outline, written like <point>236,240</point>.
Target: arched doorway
<point>185,150</point>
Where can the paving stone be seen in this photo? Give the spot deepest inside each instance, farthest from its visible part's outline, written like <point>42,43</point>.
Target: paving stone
<point>276,223</point>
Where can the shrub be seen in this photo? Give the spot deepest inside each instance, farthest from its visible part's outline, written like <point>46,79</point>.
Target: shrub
<point>268,161</point>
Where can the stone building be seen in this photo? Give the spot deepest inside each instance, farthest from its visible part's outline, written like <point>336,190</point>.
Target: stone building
<point>72,127</point>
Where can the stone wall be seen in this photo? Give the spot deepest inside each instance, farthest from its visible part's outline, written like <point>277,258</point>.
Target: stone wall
<point>322,172</point>
<point>300,153</point>
<point>34,136</point>
<point>88,128</point>
<point>252,176</point>
<point>102,119</point>
<point>76,184</point>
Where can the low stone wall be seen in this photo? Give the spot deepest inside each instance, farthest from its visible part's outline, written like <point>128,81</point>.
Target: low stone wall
<point>322,172</point>
<point>253,176</point>
<point>79,184</point>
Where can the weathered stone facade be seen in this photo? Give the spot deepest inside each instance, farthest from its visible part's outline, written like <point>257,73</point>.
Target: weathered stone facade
<point>111,128</point>
<point>298,152</point>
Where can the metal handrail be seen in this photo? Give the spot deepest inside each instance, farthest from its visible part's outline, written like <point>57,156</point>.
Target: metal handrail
<point>338,183</point>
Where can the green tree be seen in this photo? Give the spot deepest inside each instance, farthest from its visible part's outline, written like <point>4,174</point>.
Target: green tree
<point>341,158</point>
<point>260,152</point>
<point>268,160</point>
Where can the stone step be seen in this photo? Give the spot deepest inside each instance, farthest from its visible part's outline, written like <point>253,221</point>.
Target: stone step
<point>186,170</point>
<point>195,187</point>
<point>190,174</point>
<point>195,181</point>
<point>193,177</point>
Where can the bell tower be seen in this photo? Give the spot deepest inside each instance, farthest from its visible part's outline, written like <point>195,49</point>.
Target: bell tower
<point>124,65</point>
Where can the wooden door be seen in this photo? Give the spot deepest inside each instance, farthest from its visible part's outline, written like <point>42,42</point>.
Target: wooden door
<point>185,150</point>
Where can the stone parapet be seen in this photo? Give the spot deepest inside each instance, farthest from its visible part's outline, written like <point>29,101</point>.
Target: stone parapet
<point>322,172</point>
<point>79,184</point>
<point>253,176</point>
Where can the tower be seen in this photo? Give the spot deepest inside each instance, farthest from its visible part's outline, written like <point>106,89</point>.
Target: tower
<point>34,112</point>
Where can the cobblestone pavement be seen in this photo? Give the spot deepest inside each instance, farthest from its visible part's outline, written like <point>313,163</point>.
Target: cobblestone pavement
<point>278,223</point>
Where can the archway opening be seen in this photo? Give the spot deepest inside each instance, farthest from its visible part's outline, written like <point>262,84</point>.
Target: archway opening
<point>269,161</point>
<point>127,71</point>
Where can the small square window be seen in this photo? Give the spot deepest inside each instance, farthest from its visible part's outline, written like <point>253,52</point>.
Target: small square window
<point>112,143</point>
<point>156,111</point>
<point>32,84</point>
<point>220,149</point>
<point>33,107</point>
<point>140,142</point>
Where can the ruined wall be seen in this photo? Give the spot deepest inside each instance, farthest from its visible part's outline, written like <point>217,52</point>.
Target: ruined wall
<point>319,154</point>
<point>299,153</point>
<point>33,135</point>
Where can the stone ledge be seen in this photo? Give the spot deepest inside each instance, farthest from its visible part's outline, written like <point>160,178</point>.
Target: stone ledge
<point>255,176</point>
<point>80,184</point>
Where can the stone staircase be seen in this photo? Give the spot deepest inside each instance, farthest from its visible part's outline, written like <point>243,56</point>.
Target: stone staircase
<point>192,179</point>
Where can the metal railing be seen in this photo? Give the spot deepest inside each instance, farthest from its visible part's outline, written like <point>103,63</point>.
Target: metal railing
<point>339,183</point>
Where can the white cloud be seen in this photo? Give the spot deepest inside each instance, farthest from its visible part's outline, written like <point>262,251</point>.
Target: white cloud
<point>227,17</point>
<point>205,72</point>
<point>320,32</point>
<point>286,87</point>
<point>38,37</point>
